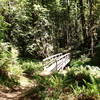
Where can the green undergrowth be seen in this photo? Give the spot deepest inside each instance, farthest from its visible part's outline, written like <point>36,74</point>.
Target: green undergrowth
<point>83,60</point>
<point>79,80</point>
<point>10,70</point>
<point>31,66</point>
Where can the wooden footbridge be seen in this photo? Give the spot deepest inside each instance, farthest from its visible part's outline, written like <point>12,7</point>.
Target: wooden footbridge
<point>55,63</point>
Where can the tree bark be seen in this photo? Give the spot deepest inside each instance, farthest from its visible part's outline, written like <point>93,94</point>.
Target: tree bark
<point>82,19</point>
<point>91,24</point>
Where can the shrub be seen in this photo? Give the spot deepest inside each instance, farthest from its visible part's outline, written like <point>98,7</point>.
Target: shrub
<point>78,75</point>
<point>30,67</point>
<point>9,66</point>
<point>80,82</point>
<point>83,81</point>
<point>81,61</point>
<point>3,27</point>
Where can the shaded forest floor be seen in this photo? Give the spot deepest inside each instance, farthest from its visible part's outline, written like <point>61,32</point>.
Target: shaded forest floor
<point>79,81</point>
<point>17,92</point>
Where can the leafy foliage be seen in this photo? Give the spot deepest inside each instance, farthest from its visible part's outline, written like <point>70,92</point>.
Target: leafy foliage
<point>9,67</point>
<point>39,28</point>
<point>31,67</point>
<point>83,60</point>
<point>3,27</point>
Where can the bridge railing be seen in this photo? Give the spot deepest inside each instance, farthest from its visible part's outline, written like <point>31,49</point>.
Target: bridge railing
<point>51,59</point>
<point>53,56</point>
<point>55,63</point>
<point>62,61</point>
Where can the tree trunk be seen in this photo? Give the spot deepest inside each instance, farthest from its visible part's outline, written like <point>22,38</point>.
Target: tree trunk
<point>82,19</point>
<point>91,24</point>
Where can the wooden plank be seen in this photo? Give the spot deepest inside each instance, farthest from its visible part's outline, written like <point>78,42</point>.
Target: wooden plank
<point>65,55</point>
<point>56,55</point>
<point>50,60</point>
<point>48,63</point>
<point>65,59</point>
<point>58,64</point>
<point>56,59</point>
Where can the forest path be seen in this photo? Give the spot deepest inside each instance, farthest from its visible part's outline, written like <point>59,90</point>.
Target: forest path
<point>27,85</point>
<point>17,92</point>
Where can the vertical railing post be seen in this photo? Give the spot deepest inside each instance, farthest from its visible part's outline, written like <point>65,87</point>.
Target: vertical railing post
<point>56,64</point>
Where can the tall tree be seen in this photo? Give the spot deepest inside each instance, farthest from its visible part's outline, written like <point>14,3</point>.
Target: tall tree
<point>82,19</point>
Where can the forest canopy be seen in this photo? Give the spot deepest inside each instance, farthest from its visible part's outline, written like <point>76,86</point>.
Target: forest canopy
<point>40,28</point>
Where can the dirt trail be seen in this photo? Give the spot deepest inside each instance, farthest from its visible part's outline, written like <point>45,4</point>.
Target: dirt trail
<point>17,92</point>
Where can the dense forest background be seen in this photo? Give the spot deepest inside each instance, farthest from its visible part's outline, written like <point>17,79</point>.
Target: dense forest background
<point>36,29</point>
<point>40,28</point>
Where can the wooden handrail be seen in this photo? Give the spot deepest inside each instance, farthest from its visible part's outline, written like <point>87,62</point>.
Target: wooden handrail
<point>55,60</point>
<point>54,56</point>
<point>55,63</point>
<point>68,54</point>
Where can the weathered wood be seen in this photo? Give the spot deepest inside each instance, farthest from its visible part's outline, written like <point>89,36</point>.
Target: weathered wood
<point>56,55</point>
<point>57,64</point>
<point>57,58</point>
<point>50,60</point>
<point>60,63</point>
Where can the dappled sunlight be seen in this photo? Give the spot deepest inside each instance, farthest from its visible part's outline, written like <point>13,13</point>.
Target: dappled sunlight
<point>49,49</point>
<point>25,82</point>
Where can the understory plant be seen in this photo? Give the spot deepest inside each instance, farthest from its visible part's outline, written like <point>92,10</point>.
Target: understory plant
<point>81,83</point>
<point>30,67</point>
<point>9,67</point>
<point>83,60</point>
<point>84,81</point>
